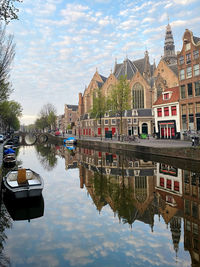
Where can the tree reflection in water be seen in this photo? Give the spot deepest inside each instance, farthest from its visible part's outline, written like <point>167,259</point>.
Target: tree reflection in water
<point>47,156</point>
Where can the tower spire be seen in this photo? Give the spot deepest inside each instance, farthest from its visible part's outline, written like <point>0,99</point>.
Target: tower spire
<point>169,47</point>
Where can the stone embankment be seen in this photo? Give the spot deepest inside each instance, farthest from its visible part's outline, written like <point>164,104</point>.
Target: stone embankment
<point>166,148</point>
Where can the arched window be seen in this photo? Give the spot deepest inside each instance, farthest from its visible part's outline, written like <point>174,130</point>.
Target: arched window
<point>138,96</point>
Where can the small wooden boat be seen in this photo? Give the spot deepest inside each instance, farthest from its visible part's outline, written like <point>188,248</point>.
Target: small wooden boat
<point>9,160</point>
<point>23,183</point>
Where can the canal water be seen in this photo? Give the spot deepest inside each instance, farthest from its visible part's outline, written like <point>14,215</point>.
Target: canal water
<point>102,209</point>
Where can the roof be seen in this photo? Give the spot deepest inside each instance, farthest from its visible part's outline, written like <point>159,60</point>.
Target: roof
<point>103,78</point>
<point>126,68</point>
<point>174,68</point>
<point>146,112</point>
<point>174,98</point>
<point>73,107</point>
<point>196,39</point>
<point>140,63</point>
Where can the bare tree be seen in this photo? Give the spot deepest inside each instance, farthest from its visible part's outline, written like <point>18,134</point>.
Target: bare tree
<point>8,11</point>
<point>7,53</point>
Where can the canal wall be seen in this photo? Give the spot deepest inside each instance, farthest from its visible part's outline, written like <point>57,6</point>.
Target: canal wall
<point>176,151</point>
<point>190,153</point>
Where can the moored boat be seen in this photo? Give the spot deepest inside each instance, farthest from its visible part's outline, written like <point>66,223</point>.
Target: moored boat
<point>23,183</point>
<point>70,141</point>
<point>9,160</point>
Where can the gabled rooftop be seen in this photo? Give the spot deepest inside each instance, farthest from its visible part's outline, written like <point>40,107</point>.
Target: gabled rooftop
<point>174,96</point>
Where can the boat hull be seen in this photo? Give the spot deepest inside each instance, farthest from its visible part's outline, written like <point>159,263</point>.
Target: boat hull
<point>23,191</point>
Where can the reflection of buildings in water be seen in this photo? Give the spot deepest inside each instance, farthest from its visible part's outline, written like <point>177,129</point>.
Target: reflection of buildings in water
<point>169,197</point>
<point>127,186</point>
<point>191,194</point>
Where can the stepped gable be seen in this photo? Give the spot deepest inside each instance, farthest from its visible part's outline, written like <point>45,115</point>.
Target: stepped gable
<point>126,68</point>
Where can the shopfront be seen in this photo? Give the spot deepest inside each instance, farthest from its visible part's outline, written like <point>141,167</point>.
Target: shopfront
<point>167,129</point>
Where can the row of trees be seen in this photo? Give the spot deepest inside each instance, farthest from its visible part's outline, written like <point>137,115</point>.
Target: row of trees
<point>117,102</point>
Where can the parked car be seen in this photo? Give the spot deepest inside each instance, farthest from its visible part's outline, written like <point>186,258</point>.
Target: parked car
<point>1,138</point>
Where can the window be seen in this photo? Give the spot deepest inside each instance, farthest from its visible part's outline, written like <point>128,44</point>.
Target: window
<point>183,109</point>
<point>138,96</point>
<point>173,110</point>
<point>189,72</point>
<point>182,91</point>
<point>197,107</point>
<point>196,54</point>
<point>187,46</point>
<point>190,108</point>
<point>169,184</point>
<point>184,122</point>
<point>129,121</point>
<point>106,122</point>
<point>195,210</point>
<point>181,60</point>
<point>176,186</point>
<point>166,96</point>
<point>113,121</point>
<point>182,74</point>
<point>188,226</point>
<point>161,181</point>
<point>166,111</point>
<point>159,112</point>
<point>196,70</point>
<point>188,58</point>
<point>189,89</point>
<point>134,120</point>
<point>187,207</point>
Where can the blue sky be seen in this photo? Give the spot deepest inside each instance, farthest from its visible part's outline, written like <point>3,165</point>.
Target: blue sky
<point>60,43</point>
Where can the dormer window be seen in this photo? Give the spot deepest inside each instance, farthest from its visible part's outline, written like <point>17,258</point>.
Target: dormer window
<point>107,114</point>
<point>166,96</point>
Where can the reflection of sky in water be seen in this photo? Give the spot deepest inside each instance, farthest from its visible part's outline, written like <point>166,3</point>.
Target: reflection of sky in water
<point>73,233</point>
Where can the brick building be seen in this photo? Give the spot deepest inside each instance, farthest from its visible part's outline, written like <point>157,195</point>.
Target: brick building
<point>189,81</point>
<point>146,83</point>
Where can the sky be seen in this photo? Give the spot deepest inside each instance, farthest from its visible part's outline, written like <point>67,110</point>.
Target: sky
<point>61,43</point>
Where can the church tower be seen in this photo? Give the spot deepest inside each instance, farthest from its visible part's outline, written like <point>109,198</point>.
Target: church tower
<point>169,47</point>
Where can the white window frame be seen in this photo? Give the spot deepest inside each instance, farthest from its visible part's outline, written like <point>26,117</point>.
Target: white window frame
<point>113,123</point>
<point>182,74</point>
<point>189,72</point>
<point>196,70</point>
<point>129,121</point>
<point>105,121</point>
